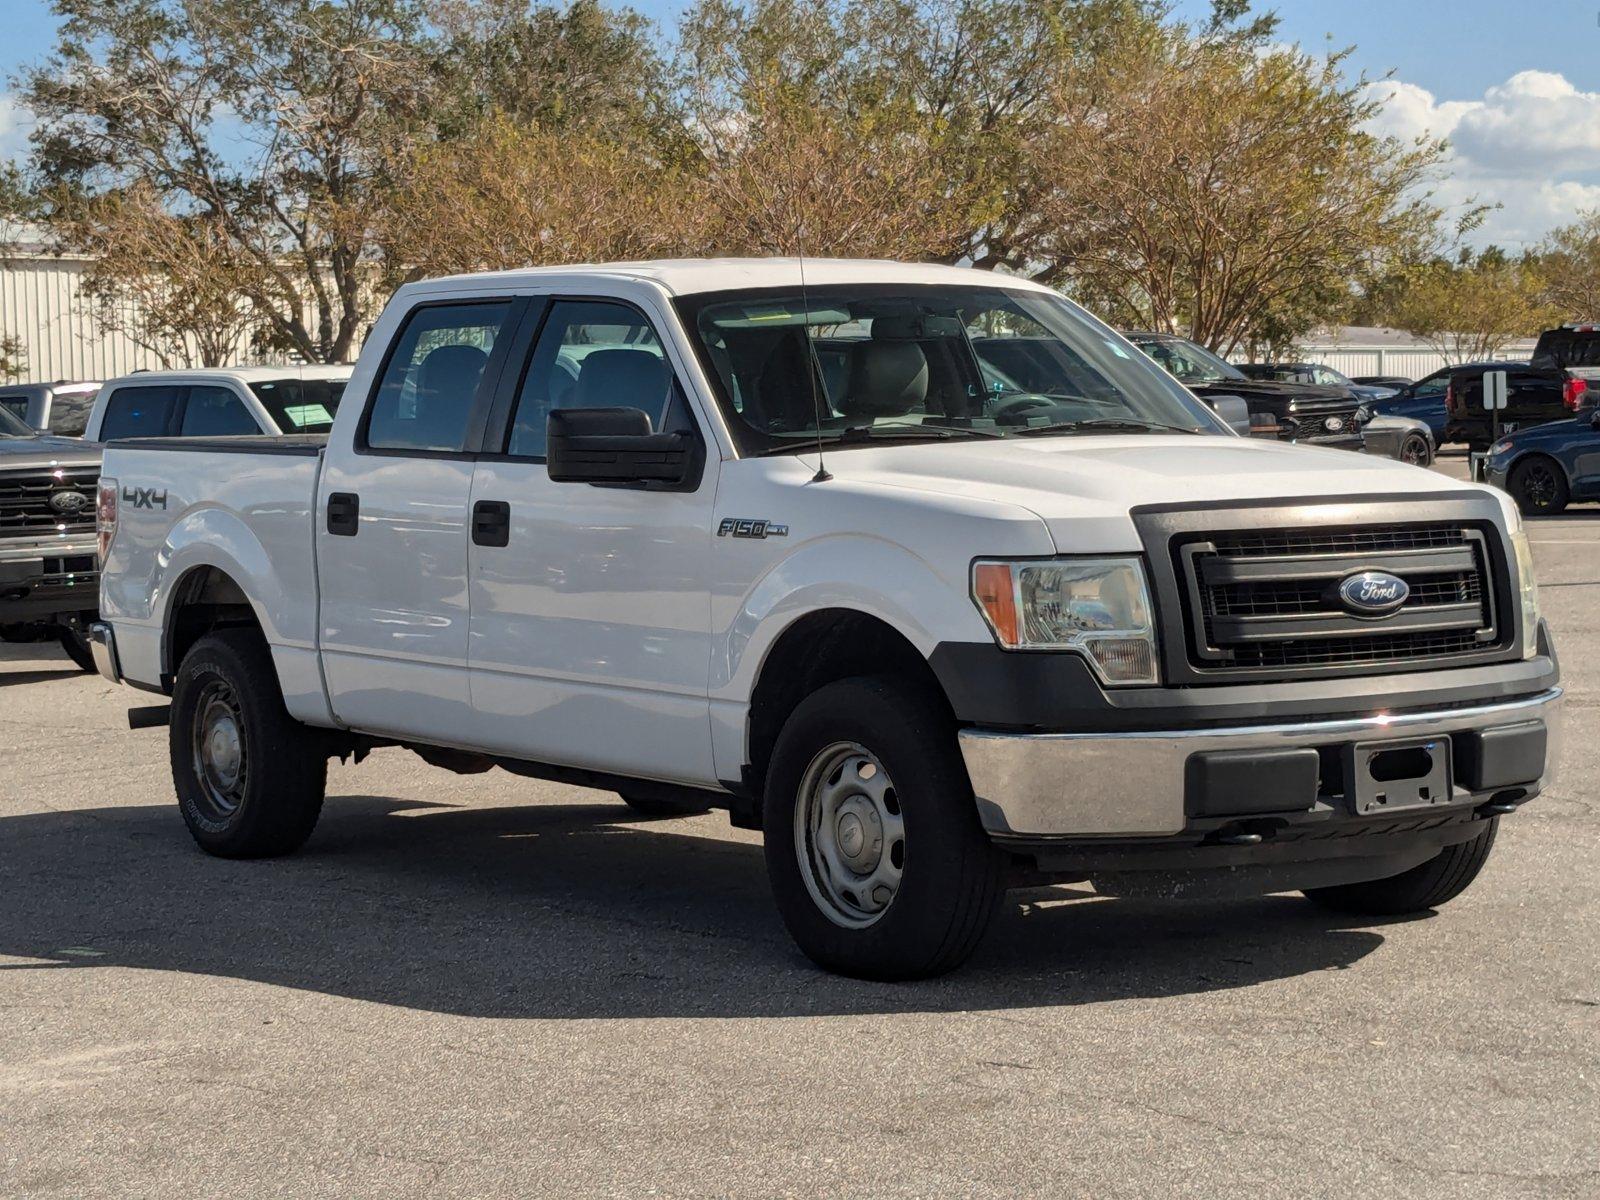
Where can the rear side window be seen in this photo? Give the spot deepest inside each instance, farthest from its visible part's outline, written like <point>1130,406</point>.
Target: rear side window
<point>1567,348</point>
<point>425,399</point>
<point>69,415</point>
<point>216,412</point>
<point>136,412</point>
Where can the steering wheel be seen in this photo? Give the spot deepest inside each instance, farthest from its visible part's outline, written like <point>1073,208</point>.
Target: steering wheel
<point>1021,404</point>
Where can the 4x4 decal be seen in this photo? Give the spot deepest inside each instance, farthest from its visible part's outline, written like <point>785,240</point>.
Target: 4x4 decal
<point>145,497</point>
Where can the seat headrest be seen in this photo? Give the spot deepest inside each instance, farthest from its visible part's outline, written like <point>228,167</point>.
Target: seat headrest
<point>887,379</point>
<point>452,367</point>
<point>623,378</point>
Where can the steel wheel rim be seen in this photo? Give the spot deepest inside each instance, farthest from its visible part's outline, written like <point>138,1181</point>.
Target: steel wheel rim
<point>1539,485</point>
<point>849,835</point>
<point>219,751</point>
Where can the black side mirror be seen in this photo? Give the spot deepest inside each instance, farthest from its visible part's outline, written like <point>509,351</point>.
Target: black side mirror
<point>1594,419</point>
<point>616,446</point>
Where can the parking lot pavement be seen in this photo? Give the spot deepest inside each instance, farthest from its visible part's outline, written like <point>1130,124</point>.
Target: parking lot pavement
<point>484,985</point>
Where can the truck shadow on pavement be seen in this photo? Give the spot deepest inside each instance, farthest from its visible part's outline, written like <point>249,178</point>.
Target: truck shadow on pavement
<point>574,911</point>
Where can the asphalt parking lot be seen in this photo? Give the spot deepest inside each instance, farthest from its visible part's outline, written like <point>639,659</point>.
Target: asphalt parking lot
<point>476,985</point>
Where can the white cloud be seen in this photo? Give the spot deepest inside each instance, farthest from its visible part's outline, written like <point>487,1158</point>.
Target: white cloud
<point>1530,145</point>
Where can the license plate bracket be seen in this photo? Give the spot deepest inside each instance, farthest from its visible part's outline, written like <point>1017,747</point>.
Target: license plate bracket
<point>1391,776</point>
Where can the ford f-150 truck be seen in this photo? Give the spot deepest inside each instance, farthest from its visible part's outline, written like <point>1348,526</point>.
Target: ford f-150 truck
<point>799,541</point>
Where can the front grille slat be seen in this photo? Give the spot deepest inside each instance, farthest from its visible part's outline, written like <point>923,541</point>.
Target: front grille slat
<point>26,502</point>
<point>1263,600</point>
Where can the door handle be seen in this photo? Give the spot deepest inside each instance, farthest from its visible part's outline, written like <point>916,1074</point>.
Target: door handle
<point>491,523</point>
<point>344,513</point>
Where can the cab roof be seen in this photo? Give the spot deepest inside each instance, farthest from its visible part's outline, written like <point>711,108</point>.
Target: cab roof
<point>242,374</point>
<point>688,276</point>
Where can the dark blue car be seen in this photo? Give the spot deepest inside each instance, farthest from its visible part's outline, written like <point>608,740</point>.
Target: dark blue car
<point>1546,467</point>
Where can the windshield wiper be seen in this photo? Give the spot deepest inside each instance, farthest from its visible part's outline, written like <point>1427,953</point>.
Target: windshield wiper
<point>856,435</point>
<point>1103,425</point>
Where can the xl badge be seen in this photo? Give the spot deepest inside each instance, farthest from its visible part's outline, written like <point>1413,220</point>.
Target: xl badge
<point>1373,593</point>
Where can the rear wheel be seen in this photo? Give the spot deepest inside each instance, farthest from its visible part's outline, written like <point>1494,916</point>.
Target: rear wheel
<point>878,862</point>
<point>249,777</point>
<point>1539,487</point>
<point>1428,885</point>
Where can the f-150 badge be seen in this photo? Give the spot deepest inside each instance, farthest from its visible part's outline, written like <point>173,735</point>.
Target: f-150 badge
<point>744,527</point>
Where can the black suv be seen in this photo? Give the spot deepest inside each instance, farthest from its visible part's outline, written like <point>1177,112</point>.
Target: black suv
<point>1291,412</point>
<point>1536,393</point>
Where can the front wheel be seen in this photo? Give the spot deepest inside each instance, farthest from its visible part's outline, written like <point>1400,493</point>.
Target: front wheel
<point>878,862</point>
<point>76,647</point>
<point>1416,450</point>
<point>1428,885</point>
<point>250,778</point>
<point>1539,487</point>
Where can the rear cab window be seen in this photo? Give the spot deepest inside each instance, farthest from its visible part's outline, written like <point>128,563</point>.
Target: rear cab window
<point>300,405</point>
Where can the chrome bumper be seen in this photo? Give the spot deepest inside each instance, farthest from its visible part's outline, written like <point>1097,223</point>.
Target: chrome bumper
<point>1109,784</point>
<point>103,649</point>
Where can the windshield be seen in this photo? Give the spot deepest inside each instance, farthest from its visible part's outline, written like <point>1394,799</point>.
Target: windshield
<point>300,405</point>
<point>11,427</point>
<point>1186,361</point>
<point>869,361</point>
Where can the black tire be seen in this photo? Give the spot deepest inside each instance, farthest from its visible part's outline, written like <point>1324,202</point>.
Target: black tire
<point>77,649</point>
<point>1428,885</point>
<point>1416,450</point>
<point>653,807</point>
<point>1539,486</point>
<point>951,876</point>
<point>282,765</point>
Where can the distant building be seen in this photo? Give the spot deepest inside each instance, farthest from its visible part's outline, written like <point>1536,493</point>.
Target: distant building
<point>1375,350</point>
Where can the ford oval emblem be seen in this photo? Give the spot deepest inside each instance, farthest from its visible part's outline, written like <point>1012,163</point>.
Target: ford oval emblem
<point>69,504</point>
<point>1373,593</point>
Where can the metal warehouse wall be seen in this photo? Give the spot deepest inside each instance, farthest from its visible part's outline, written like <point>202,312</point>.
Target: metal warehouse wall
<point>1413,362</point>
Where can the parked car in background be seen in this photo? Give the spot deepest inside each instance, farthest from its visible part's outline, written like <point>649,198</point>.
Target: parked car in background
<point>935,629</point>
<point>1317,374</point>
<point>61,408</point>
<point>218,402</point>
<point>1535,395</point>
<point>1404,438</point>
<point>1546,467</point>
<point>1423,400</point>
<point>1290,412</point>
<point>1394,382</point>
<point>48,579</point>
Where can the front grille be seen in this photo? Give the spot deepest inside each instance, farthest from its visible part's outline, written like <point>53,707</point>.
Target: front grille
<point>1306,427</point>
<point>29,508</point>
<point>1268,600</point>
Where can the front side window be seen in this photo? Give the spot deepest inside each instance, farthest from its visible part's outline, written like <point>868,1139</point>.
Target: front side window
<point>215,412</point>
<point>850,363</point>
<point>139,412</point>
<point>590,354</point>
<point>300,405</point>
<point>17,406</point>
<point>11,426</point>
<point>430,384</point>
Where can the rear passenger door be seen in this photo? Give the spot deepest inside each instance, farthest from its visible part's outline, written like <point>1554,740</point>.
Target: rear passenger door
<point>590,642</point>
<point>392,533</point>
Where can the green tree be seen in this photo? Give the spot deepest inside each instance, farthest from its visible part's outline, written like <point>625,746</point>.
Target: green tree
<point>266,126</point>
<point>1469,308</point>
<point>1569,264</point>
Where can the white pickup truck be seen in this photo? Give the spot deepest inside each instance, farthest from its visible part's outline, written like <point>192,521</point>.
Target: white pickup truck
<point>924,572</point>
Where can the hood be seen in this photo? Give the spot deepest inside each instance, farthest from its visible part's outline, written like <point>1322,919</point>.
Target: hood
<point>46,450</point>
<point>1274,396</point>
<point>1084,487</point>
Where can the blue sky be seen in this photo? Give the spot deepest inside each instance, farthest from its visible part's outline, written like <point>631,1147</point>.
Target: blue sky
<point>1503,81</point>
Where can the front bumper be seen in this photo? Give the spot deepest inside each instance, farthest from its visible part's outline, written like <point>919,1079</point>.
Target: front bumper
<point>1161,783</point>
<point>39,581</point>
<point>103,649</point>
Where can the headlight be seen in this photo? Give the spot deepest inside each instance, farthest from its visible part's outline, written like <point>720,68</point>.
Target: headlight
<point>1099,607</point>
<point>1528,589</point>
<point>1501,446</point>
